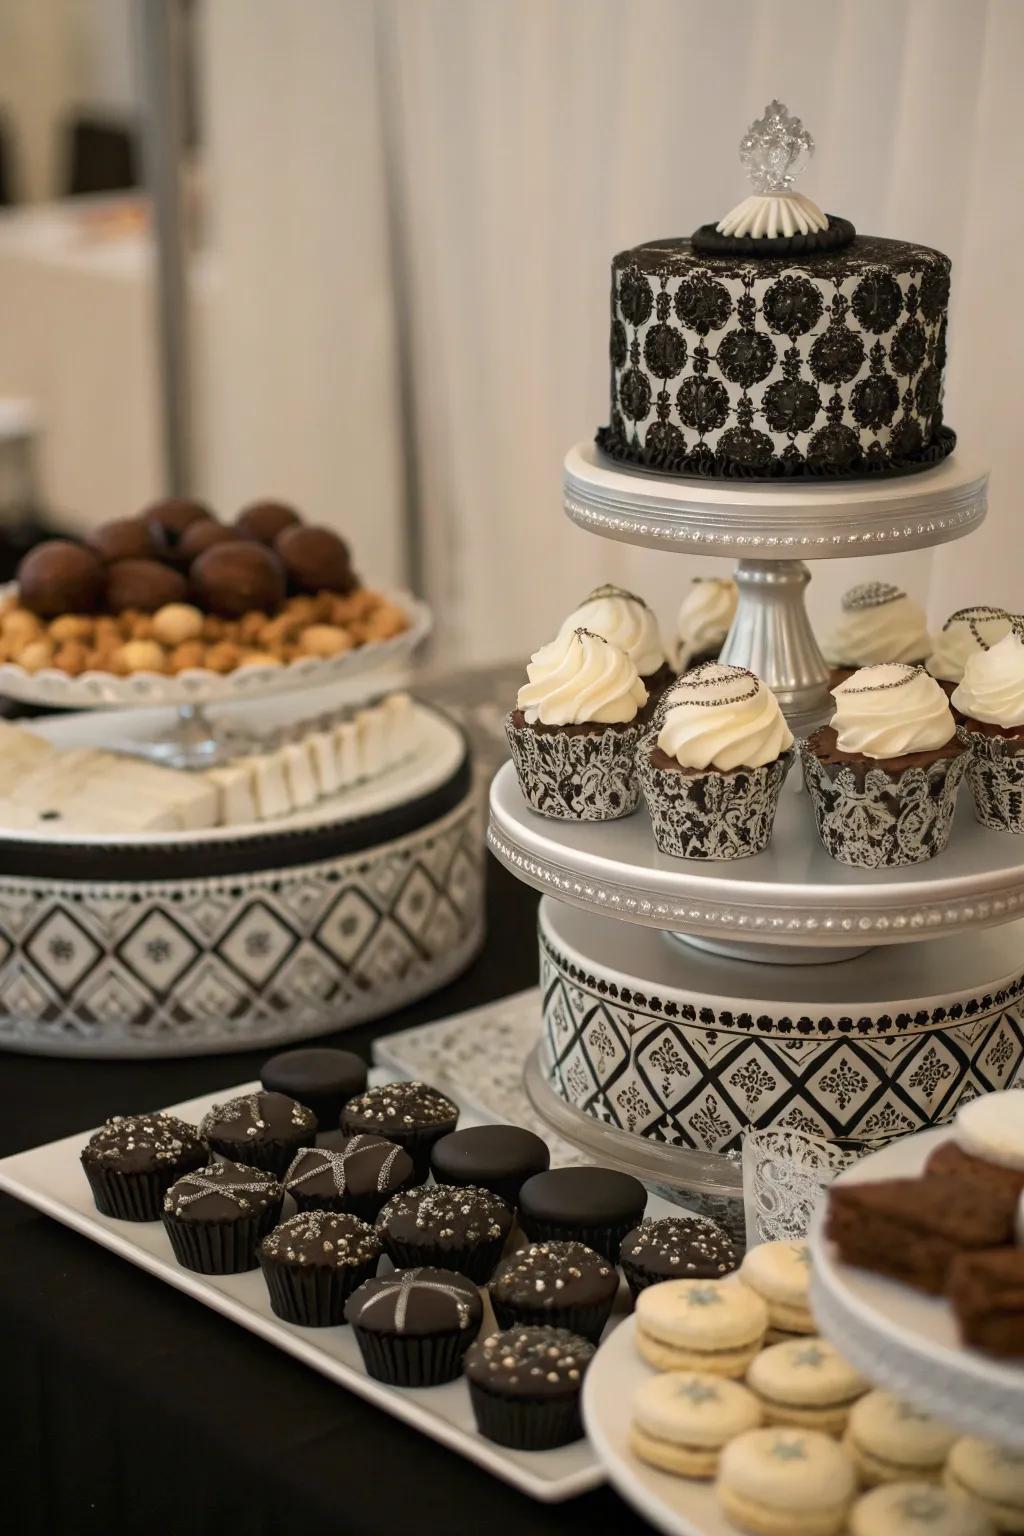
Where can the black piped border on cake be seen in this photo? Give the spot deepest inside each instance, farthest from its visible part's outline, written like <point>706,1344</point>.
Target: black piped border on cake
<point>839,234</point>
<point>704,463</point>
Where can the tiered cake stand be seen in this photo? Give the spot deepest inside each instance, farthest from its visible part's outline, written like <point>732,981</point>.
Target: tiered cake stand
<point>724,1016</point>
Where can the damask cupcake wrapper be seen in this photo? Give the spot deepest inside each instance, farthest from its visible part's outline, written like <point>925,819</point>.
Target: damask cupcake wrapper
<point>712,815</point>
<point>995,773</point>
<point>881,820</point>
<point>576,777</point>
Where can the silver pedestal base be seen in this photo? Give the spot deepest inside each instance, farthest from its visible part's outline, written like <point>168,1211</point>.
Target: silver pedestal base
<point>765,954</point>
<point>771,635</point>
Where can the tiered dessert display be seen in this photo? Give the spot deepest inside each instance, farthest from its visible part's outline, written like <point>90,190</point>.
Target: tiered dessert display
<point>286,866</point>
<point>776,396</point>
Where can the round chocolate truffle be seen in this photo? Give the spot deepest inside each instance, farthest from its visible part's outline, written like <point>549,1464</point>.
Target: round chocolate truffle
<point>497,1157</point>
<point>264,520</point>
<point>202,535</point>
<point>322,1079</point>
<point>60,577</point>
<point>232,579</point>
<point>143,584</point>
<point>596,1206</point>
<point>123,538</point>
<point>315,560</point>
<point>168,520</point>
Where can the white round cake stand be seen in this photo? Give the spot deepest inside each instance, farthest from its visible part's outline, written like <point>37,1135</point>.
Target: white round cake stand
<point>771,528</point>
<point>904,1340</point>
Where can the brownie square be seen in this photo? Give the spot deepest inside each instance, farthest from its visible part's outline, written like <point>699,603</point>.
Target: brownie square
<point>987,1293</point>
<point>912,1229</point>
<point>950,1160</point>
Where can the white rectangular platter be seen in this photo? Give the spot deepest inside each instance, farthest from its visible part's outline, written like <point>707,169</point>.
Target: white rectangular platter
<point>51,1179</point>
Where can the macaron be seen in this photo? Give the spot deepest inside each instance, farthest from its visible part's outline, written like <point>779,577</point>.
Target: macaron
<point>991,1474</point>
<point>890,1441</point>
<point>785,1482</point>
<point>780,1273</point>
<point>807,1383</point>
<point>700,1325</point>
<point>917,1509</point>
<point>682,1420</point>
<point>992,1127</point>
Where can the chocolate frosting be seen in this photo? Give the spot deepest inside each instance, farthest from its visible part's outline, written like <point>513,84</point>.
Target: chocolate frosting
<point>222,1192</point>
<point>680,1248</point>
<point>823,745</point>
<point>446,1216</point>
<point>399,1107</point>
<point>322,1239</point>
<point>255,1118</point>
<point>530,1362</point>
<point>321,1078</point>
<point>481,1153</point>
<point>363,1165</point>
<point>555,1274</point>
<point>145,1144</point>
<point>588,1197</point>
<point>416,1303</point>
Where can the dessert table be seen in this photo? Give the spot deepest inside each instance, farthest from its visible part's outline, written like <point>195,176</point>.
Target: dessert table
<point>132,1408</point>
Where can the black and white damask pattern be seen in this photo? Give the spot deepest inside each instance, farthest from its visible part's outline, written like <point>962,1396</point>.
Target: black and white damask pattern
<point>826,365</point>
<point>684,1073</point>
<point>178,967</point>
<point>885,820</point>
<point>995,773</point>
<point>589,776</point>
<point>712,815</point>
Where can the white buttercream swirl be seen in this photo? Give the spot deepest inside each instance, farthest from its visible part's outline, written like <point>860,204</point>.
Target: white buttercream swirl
<point>878,623</point>
<point>765,215</point>
<point>705,616</point>
<point>723,717</point>
<point>579,679</point>
<point>964,634</point>
<point>992,689</point>
<point>623,620</point>
<point>891,710</point>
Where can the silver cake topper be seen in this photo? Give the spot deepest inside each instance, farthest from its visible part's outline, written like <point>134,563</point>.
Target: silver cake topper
<point>775,149</point>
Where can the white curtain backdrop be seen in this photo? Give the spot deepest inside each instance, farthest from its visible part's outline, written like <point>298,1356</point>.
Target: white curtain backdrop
<point>416,205</point>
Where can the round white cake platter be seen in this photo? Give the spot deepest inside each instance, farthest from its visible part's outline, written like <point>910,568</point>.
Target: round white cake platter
<point>904,1340</point>
<point>771,528</point>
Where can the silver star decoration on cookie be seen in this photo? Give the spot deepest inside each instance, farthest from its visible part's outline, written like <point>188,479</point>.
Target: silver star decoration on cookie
<point>909,1412</point>
<point>788,1450</point>
<point>704,1296</point>
<point>813,1354</point>
<point>925,1507</point>
<point>697,1392</point>
<point>803,1255</point>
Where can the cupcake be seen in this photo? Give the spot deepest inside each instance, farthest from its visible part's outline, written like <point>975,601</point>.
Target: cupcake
<point>357,1179</point>
<point>261,1130</point>
<point>413,1327</point>
<point>449,1226</point>
<point>990,702</point>
<point>593,1206</point>
<point>705,618</point>
<point>132,1161</point>
<point>574,731</point>
<point>883,775</point>
<point>216,1216</point>
<point>713,766</point>
<point>411,1114</point>
<point>524,1384</point>
<point>964,634</point>
<point>323,1079</point>
<point>313,1262</point>
<point>558,1285</point>
<point>877,623</point>
<point>625,621</point>
<point>496,1157</point>
<point>676,1248</point>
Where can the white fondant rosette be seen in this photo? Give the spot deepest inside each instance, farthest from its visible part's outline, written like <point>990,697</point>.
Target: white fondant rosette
<point>576,775</point>
<point>995,773</point>
<point>874,819</point>
<point>712,815</point>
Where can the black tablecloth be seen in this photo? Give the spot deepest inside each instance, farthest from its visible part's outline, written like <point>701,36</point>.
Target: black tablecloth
<point>131,1408</point>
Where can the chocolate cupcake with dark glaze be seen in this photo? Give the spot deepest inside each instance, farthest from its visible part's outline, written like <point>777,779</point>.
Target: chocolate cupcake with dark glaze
<point>313,1262</point>
<point>413,1327</point>
<point>216,1216</point>
<point>524,1384</point>
<point>676,1248</point>
<point>132,1161</point>
<point>262,1130</point>
<point>593,1206</point>
<point>496,1157</point>
<point>321,1078</point>
<point>360,1177</point>
<point>451,1227</point>
<point>555,1285</point>
<point>412,1114</point>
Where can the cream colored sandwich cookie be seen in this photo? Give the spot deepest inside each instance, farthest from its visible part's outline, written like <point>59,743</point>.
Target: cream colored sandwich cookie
<point>785,1482</point>
<point>682,1420</point>
<point>890,1440</point>
<point>700,1325</point>
<point>780,1273</point>
<point>992,1475</point>
<point>992,1127</point>
<point>807,1383</point>
<point>917,1509</point>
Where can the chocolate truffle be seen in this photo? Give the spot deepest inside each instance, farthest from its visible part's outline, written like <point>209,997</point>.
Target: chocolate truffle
<point>596,1206</point>
<point>460,1228</point>
<point>264,520</point>
<point>321,1078</point>
<point>202,535</point>
<point>132,1161</point>
<point>358,1178</point>
<point>263,1130</point>
<point>232,579</point>
<point>143,584</point>
<point>676,1248</point>
<point>497,1157</point>
<point>414,1326</point>
<point>313,1262</point>
<point>315,560</point>
<point>167,521</point>
<point>60,577</point>
<point>123,538</point>
<point>412,1114</point>
<point>559,1285</point>
<point>524,1385</point>
<point>215,1217</point>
